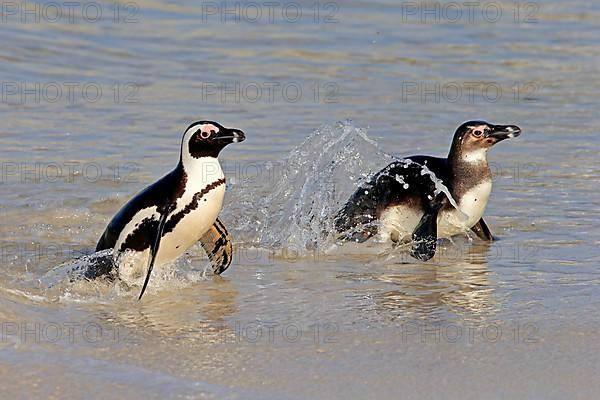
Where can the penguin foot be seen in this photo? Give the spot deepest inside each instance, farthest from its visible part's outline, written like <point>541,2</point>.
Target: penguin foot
<point>100,267</point>
<point>424,238</point>
<point>423,249</point>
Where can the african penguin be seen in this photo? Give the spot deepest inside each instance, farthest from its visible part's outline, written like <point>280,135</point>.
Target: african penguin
<point>421,198</point>
<point>166,218</point>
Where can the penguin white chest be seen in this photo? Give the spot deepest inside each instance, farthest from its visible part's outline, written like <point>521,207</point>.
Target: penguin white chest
<point>399,222</point>
<point>194,218</point>
<point>471,207</point>
<point>196,210</point>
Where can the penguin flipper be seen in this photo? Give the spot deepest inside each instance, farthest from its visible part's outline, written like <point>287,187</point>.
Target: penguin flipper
<point>154,248</point>
<point>424,237</point>
<point>482,231</point>
<point>216,242</point>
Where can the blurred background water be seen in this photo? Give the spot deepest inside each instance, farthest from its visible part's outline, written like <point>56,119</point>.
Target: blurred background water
<point>93,109</point>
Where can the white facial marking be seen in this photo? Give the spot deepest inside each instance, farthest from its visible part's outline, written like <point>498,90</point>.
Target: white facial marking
<point>203,130</point>
<point>207,130</point>
<point>190,163</point>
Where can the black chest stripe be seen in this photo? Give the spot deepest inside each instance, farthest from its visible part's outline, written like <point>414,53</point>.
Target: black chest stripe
<point>174,220</point>
<point>142,235</point>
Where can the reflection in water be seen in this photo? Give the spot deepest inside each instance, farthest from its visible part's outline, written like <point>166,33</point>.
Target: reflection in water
<point>190,307</point>
<point>197,313</point>
<point>432,290</point>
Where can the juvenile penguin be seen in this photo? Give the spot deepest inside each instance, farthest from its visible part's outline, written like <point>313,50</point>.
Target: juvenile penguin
<point>421,198</point>
<point>169,216</point>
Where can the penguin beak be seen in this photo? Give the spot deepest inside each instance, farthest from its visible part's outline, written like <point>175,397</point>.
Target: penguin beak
<point>501,132</point>
<point>231,135</point>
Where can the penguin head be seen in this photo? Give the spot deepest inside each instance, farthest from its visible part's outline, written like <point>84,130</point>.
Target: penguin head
<point>473,138</point>
<point>207,139</point>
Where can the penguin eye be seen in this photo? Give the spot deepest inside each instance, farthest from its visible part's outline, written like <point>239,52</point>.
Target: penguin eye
<point>477,133</point>
<point>206,134</point>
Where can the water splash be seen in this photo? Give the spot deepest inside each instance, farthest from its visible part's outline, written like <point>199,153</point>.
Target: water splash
<point>316,178</point>
<point>74,269</point>
<point>67,281</point>
<point>441,188</point>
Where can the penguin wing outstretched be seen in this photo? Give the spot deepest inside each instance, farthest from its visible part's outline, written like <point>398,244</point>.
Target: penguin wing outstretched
<point>216,242</point>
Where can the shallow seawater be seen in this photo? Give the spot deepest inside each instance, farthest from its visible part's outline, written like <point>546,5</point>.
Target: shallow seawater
<point>297,315</point>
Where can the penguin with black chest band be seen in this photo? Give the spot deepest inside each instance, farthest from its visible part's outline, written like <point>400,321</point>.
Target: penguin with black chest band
<point>169,216</point>
<point>421,198</point>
